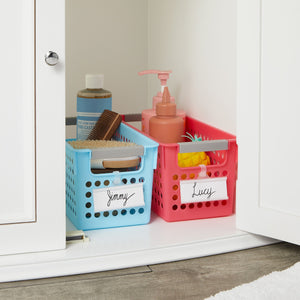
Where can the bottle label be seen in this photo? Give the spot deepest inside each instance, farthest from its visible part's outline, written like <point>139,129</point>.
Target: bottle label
<point>88,113</point>
<point>85,124</point>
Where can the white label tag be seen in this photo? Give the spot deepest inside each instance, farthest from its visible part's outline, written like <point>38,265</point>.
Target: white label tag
<point>118,197</point>
<point>202,190</point>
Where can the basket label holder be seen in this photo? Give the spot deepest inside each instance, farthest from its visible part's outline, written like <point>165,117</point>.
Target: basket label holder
<point>203,189</point>
<point>118,197</point>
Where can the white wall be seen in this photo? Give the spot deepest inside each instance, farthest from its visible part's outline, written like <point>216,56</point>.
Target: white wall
<point>109,37</point>
<point>194,38</point>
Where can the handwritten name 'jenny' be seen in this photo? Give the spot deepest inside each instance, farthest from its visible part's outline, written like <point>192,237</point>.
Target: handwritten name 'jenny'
<point>202,192</point>
<point>117,197</point>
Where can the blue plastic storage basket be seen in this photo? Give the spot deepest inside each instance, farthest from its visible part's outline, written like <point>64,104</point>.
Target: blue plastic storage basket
<point>81,184</point>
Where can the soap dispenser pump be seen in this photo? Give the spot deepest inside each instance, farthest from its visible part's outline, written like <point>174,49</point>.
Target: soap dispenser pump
<point>163,76</point>
<point>166,126</point>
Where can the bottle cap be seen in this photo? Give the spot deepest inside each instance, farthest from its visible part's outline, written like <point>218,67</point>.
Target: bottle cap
<point>94,81</point>
<point>166,107</point>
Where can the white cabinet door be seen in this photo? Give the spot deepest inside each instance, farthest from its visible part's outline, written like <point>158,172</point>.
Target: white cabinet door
<point>32,207</point>
<point>17,122</point>
<point>268,196</point>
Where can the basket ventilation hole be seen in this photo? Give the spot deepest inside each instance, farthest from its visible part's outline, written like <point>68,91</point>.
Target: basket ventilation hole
<point>199,204</point>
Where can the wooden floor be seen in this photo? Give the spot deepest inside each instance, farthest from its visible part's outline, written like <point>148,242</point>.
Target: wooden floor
<point>189,279</point>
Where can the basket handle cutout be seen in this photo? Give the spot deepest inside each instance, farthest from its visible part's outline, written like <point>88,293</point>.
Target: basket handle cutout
<point>210,145</point>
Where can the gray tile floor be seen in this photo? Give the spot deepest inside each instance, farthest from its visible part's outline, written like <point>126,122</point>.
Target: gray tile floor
<point>189,279</point>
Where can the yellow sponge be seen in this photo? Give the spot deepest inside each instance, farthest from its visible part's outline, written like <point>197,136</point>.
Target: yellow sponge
<point>193,159</point>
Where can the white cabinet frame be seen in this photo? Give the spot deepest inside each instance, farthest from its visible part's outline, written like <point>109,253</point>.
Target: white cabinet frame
<point>47,230</point>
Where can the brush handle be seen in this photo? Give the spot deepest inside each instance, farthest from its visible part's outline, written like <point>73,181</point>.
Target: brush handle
<point>121,164</point>
<point>116,163</point>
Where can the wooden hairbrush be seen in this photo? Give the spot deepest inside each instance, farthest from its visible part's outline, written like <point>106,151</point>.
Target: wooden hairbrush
<point>106,126</point>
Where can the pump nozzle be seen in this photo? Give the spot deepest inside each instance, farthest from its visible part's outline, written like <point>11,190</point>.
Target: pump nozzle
<point>166,96</point>
<point>166,107</point>
<point>163,76</point>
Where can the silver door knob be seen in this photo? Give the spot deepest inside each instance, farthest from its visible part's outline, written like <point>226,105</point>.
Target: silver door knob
<point>51,58</point>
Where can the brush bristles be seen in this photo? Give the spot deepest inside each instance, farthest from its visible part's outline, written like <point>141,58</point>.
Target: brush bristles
<point>94,144</point>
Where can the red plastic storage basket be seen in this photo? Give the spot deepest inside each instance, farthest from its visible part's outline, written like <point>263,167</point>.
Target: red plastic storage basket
<point>168,178</point>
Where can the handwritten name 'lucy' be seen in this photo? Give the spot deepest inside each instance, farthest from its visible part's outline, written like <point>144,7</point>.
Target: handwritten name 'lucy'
<point>197,192</point>
<point>118,197</point>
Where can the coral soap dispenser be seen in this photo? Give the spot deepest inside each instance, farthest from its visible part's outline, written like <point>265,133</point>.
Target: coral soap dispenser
<point>166,126</point>
<point>163,76</point>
